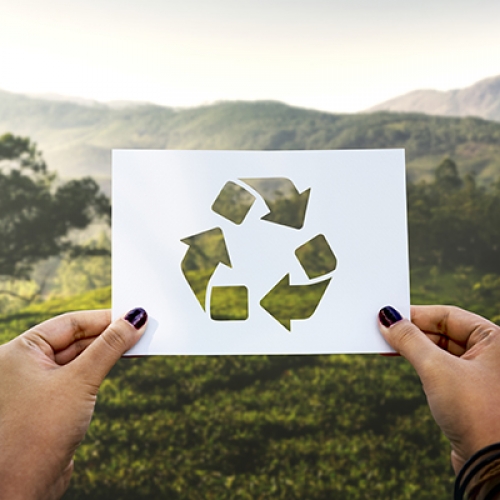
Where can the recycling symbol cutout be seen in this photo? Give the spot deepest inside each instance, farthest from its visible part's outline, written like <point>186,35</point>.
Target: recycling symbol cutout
<point>207,250</point>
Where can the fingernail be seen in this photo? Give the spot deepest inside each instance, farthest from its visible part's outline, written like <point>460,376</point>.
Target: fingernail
<point>137,317</point>
<point>388,316</point>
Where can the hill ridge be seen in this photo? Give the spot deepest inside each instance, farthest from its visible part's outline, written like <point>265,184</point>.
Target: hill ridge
<point>77,140</point>
<point>482,99</point>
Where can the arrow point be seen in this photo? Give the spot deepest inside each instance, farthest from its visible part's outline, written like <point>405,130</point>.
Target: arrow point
<point>286,323</point>
<point>206,251</point>
<point>270,216</point>
<point>292,214</point>
<point>302,201</point>
<point>285,281</point>
<point>268,302</point>
<point>304,196</point>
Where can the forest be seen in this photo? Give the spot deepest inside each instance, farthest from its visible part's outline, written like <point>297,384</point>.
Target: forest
<point>77,140</point>
<point>251,427</point>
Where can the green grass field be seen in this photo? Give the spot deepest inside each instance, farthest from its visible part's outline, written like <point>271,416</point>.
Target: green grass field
<point>254,427</point>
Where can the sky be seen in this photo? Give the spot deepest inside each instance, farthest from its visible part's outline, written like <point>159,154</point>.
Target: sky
<point>333,55</point>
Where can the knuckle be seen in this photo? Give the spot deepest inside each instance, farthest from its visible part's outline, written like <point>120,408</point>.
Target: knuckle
<point>483,335</point>
<point>74,325</point>
<point>448,311</point>
<point>80,346</point>
<point>478,335</point>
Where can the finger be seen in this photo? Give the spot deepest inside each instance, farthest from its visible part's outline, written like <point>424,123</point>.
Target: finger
<point>445,343</point>
<point>102,354</point>
<point>462,327</point>
<point>404,337</point>
<point>62,331</point>
<point>72,351</point>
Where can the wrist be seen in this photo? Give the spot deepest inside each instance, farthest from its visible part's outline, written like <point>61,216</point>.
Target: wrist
<point>12,487</point>
<point>487,484</point>
<point>25,473</point>
<point>479,478</point>
<point>22,486</point>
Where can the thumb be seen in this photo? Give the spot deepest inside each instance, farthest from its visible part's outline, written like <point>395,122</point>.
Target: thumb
<point>408,340</point>
<point>121,335</point>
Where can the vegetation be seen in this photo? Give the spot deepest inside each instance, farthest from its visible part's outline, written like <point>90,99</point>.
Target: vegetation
<point>15,323</point>
<point>36,215</point>
<point>287,427</point>
<point>61,276</point>
<point>280,427</point>
<point>453,222</point>
<point>78,139</point>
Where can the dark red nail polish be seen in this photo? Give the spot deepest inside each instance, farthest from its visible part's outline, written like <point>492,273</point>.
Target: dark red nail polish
<point>137,317</point>
<point>388,316</point>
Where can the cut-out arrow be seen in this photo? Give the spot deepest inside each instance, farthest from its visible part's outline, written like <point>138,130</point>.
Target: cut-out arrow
<point>206,251</point>
<point>287,206</point>
<point>285,302</point>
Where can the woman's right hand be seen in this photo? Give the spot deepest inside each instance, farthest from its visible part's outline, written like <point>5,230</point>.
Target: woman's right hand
<point>457,355</point>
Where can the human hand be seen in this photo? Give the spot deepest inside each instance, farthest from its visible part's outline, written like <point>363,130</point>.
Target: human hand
<point>49,379</point>
<point>457,355</point>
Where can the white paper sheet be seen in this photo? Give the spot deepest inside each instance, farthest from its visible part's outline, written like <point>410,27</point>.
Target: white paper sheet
<point>356,203</point>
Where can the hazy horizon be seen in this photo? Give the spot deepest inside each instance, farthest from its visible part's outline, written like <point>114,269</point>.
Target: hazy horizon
<point>330,55</point>
<point>51,96</point>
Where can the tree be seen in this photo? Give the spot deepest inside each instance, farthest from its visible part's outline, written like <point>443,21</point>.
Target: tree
<point>453,222</point>
<point>37,213</point>
<point>446,175</point>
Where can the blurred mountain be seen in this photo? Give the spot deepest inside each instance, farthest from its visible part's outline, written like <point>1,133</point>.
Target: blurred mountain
<point>85,102</point>
<point>481,99</point>
<point>77,139</point>
<point>49,96</point>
